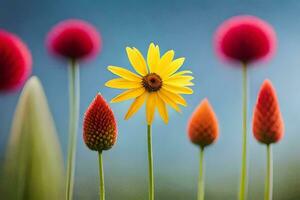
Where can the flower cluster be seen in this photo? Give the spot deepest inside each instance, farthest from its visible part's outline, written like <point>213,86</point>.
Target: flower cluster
<point>99,126</point>
<point>203,126</point>
<point>74,39</point>
<point>15,61</point>
<point>268,125</point>
<point>245,39</point>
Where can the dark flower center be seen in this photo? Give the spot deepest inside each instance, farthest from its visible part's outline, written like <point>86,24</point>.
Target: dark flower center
<point>152,82</point>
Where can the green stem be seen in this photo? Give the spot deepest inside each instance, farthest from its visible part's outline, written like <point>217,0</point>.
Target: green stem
<point>101,175</point>
<point>150,163</point>
<point>269,177</point>
<point>201,176</point>
<point>74,96</point>
<point>243,181</point>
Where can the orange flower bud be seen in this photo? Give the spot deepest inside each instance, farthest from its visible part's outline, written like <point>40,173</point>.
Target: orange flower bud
<point>268,125</point>
<point>99,125</point>
<point>203,126</point>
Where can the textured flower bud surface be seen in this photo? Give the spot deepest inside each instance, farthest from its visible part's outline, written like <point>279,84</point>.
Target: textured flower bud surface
<point>203,127</point>
<point>15,61</point>
<point>245,39</point>
<point>74,39</point>
<point>99,126</point>
<point>268,126</point>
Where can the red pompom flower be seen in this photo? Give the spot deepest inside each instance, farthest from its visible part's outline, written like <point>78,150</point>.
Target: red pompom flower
<point>74,39</point>
<point>268,126</point>
<point>203,126</point>
<point>99,125</point>
<point>245,39</point>
<point>15,61</point>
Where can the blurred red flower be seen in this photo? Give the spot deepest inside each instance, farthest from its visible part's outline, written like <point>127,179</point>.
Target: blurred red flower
<point>245,39</point>
<point>268,126</point>
<point>15,61</point>
<point>203,126</point>
<point>99,125</point>
<point>74,39</point>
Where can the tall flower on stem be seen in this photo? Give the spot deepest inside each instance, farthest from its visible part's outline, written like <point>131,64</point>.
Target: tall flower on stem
<point>268,127</point>
<point>99,132</point>
<point>15,61</point>
<point>244,40</point>
<point>157,83</point>
<point>203,130</point>
<point>74,40</point>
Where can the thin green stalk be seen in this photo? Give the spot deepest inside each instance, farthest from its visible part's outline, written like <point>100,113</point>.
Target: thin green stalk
<point>201,176</point>
<point>243,181</point>
<point>150,163</point>
<point>74,91</point>
<point>101,175</point>
<point>269,177</point>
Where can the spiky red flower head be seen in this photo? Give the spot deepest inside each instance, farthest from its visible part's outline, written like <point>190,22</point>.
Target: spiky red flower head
<point>245,39</point>
<point>99,125</point>
<point>268,126</point>
<point>74,39</point>
<point>203,126</point>
<point>15,61</point>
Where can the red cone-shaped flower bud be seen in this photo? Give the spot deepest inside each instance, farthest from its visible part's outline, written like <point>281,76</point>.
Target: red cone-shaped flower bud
<point>268,125</point>
<point>15,61</point>
<point>203,126</point>
<point>245,39</point>
<point>99,125</point>
<point>74,39</point>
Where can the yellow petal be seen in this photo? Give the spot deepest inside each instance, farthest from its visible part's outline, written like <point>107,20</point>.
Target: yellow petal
<point>182,83</point>
<point>136,105</point>
<point>137,61</point>
<point>177,98</point>
<point>142,61</point>
<point>124,73</point>
<point>182,73</point>
<point>165,61</point>
<point>173,67</point>
<point>150,107</point>
<point>129,94</point>
<point>187,84</point>
<point>179,80</point>
<point>163,95</point>
<point>178,89</point>
<point>153,57</point>
<point>121,83</point>
<point>162,109</point>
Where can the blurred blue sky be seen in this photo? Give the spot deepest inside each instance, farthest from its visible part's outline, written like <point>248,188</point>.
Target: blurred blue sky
<point>187,27</point>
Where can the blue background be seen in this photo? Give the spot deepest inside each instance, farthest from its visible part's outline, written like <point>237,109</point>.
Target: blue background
<point>188,28</point>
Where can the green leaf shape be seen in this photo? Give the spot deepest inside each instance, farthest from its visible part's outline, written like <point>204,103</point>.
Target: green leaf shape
<point>33,168</point>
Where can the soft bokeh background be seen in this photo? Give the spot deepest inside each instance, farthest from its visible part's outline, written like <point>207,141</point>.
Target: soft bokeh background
<point>188,28</point>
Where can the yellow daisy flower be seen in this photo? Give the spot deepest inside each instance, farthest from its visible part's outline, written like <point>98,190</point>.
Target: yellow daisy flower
<point>157,82</point>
